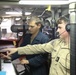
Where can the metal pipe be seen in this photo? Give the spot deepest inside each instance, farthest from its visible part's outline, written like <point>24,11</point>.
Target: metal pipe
<point>72,9</point>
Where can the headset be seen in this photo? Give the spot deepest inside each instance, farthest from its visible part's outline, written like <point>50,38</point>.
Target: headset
<point>68,27</point>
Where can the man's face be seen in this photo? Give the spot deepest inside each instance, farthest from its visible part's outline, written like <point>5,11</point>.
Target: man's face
<point>33,28</point>
<point>62,31</point>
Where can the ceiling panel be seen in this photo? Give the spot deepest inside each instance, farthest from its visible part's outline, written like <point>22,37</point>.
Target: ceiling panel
<point>12,5</point>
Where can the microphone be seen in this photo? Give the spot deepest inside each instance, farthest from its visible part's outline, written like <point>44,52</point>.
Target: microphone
<point>58,35</point>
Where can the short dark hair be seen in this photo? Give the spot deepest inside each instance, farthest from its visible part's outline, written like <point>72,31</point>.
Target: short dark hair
<point>63,18</point>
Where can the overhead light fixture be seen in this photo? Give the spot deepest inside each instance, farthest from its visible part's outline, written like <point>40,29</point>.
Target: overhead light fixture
<point>18,18</point>
<point>27,13</point>
<point>45,2</point>
<point>17,13</point>
<point>5,19</point>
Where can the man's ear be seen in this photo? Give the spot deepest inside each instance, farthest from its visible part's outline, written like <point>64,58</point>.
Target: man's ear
<point>39,25</point>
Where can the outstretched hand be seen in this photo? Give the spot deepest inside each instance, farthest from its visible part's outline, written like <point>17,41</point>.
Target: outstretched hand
<point>9,51</point>
<point>3,56</point>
